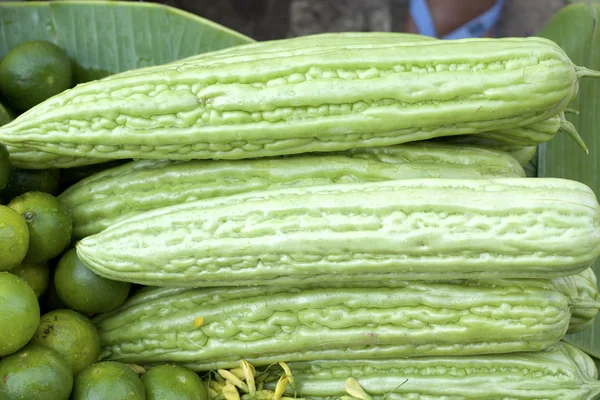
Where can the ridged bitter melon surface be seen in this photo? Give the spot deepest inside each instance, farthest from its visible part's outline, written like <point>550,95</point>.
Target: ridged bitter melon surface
<point>401,229</point>
<point>208,328</point>
<point>245,104</point>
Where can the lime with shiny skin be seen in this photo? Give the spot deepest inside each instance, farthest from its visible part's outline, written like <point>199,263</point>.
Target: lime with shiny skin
<point>19,313</point>
<point>49,223</point>
<point>72,334</point>
<point>173,382</point>
<point>32,72</point>
<point>36,276</point>
<point>108,380</point>
<point>83,290</point>
<point>14,238</point>
<point>35,373</point>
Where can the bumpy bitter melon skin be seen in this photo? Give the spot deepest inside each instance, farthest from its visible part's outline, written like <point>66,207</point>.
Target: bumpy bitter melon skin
<point>26,158</point>
<point>582,288</point>
<point>335,321</point>
<point>531,135</point>
<point>523,154</point>
<point>306,99</point>
<point>402,229</point>
<point>118,193</point>
<point>32,159</point>
<point>561,373</point>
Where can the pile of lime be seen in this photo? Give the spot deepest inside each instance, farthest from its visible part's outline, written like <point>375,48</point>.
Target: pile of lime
<point>49,345</point>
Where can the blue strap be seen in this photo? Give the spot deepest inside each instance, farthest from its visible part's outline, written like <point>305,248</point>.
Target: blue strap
<point>419,10</point>
<point>477,27</point>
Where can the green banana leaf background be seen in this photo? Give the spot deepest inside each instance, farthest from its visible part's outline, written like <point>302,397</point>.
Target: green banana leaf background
<point>575,29</point>
<point>106,37</point>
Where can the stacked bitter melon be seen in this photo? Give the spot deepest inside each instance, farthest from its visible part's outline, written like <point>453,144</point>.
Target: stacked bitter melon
<point>561,373</point>
<point>352,206</point>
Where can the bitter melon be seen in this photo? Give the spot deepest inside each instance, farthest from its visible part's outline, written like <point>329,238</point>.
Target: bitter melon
<point>26,158</point>
<point>115,194</point>
<point>561,373</point>
<point>208,328</point>
<point>523,154</point>
<point>583,288</point>
<point>310,99</point>
<point>405,229</point>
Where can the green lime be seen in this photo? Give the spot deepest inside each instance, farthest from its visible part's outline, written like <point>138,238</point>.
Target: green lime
<point>32,72</point>
<point>49,223</point>
<point>31,180</point>
<point>82,290</point>
<point>172,382</point>
<point>35,373</point>
<point>72,334</point>
<point>14,238</point>
<point>108,380</point>
<point>36,275</point>
<point>5,168</point>
<point>19,313</point>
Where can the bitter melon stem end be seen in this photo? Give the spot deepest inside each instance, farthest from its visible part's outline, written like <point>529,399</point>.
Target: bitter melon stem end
<point>572,131</point>
<point>583,71</point>
<point>571,111</point>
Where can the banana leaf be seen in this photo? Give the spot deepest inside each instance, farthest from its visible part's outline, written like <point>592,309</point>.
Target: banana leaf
<point>106,37</point>
<point>575,29</point>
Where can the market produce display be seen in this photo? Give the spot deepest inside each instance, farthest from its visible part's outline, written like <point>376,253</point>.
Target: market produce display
<point>335,216</point>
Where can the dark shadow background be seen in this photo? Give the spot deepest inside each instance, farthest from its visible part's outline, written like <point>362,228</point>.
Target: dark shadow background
<point>274,19</point>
